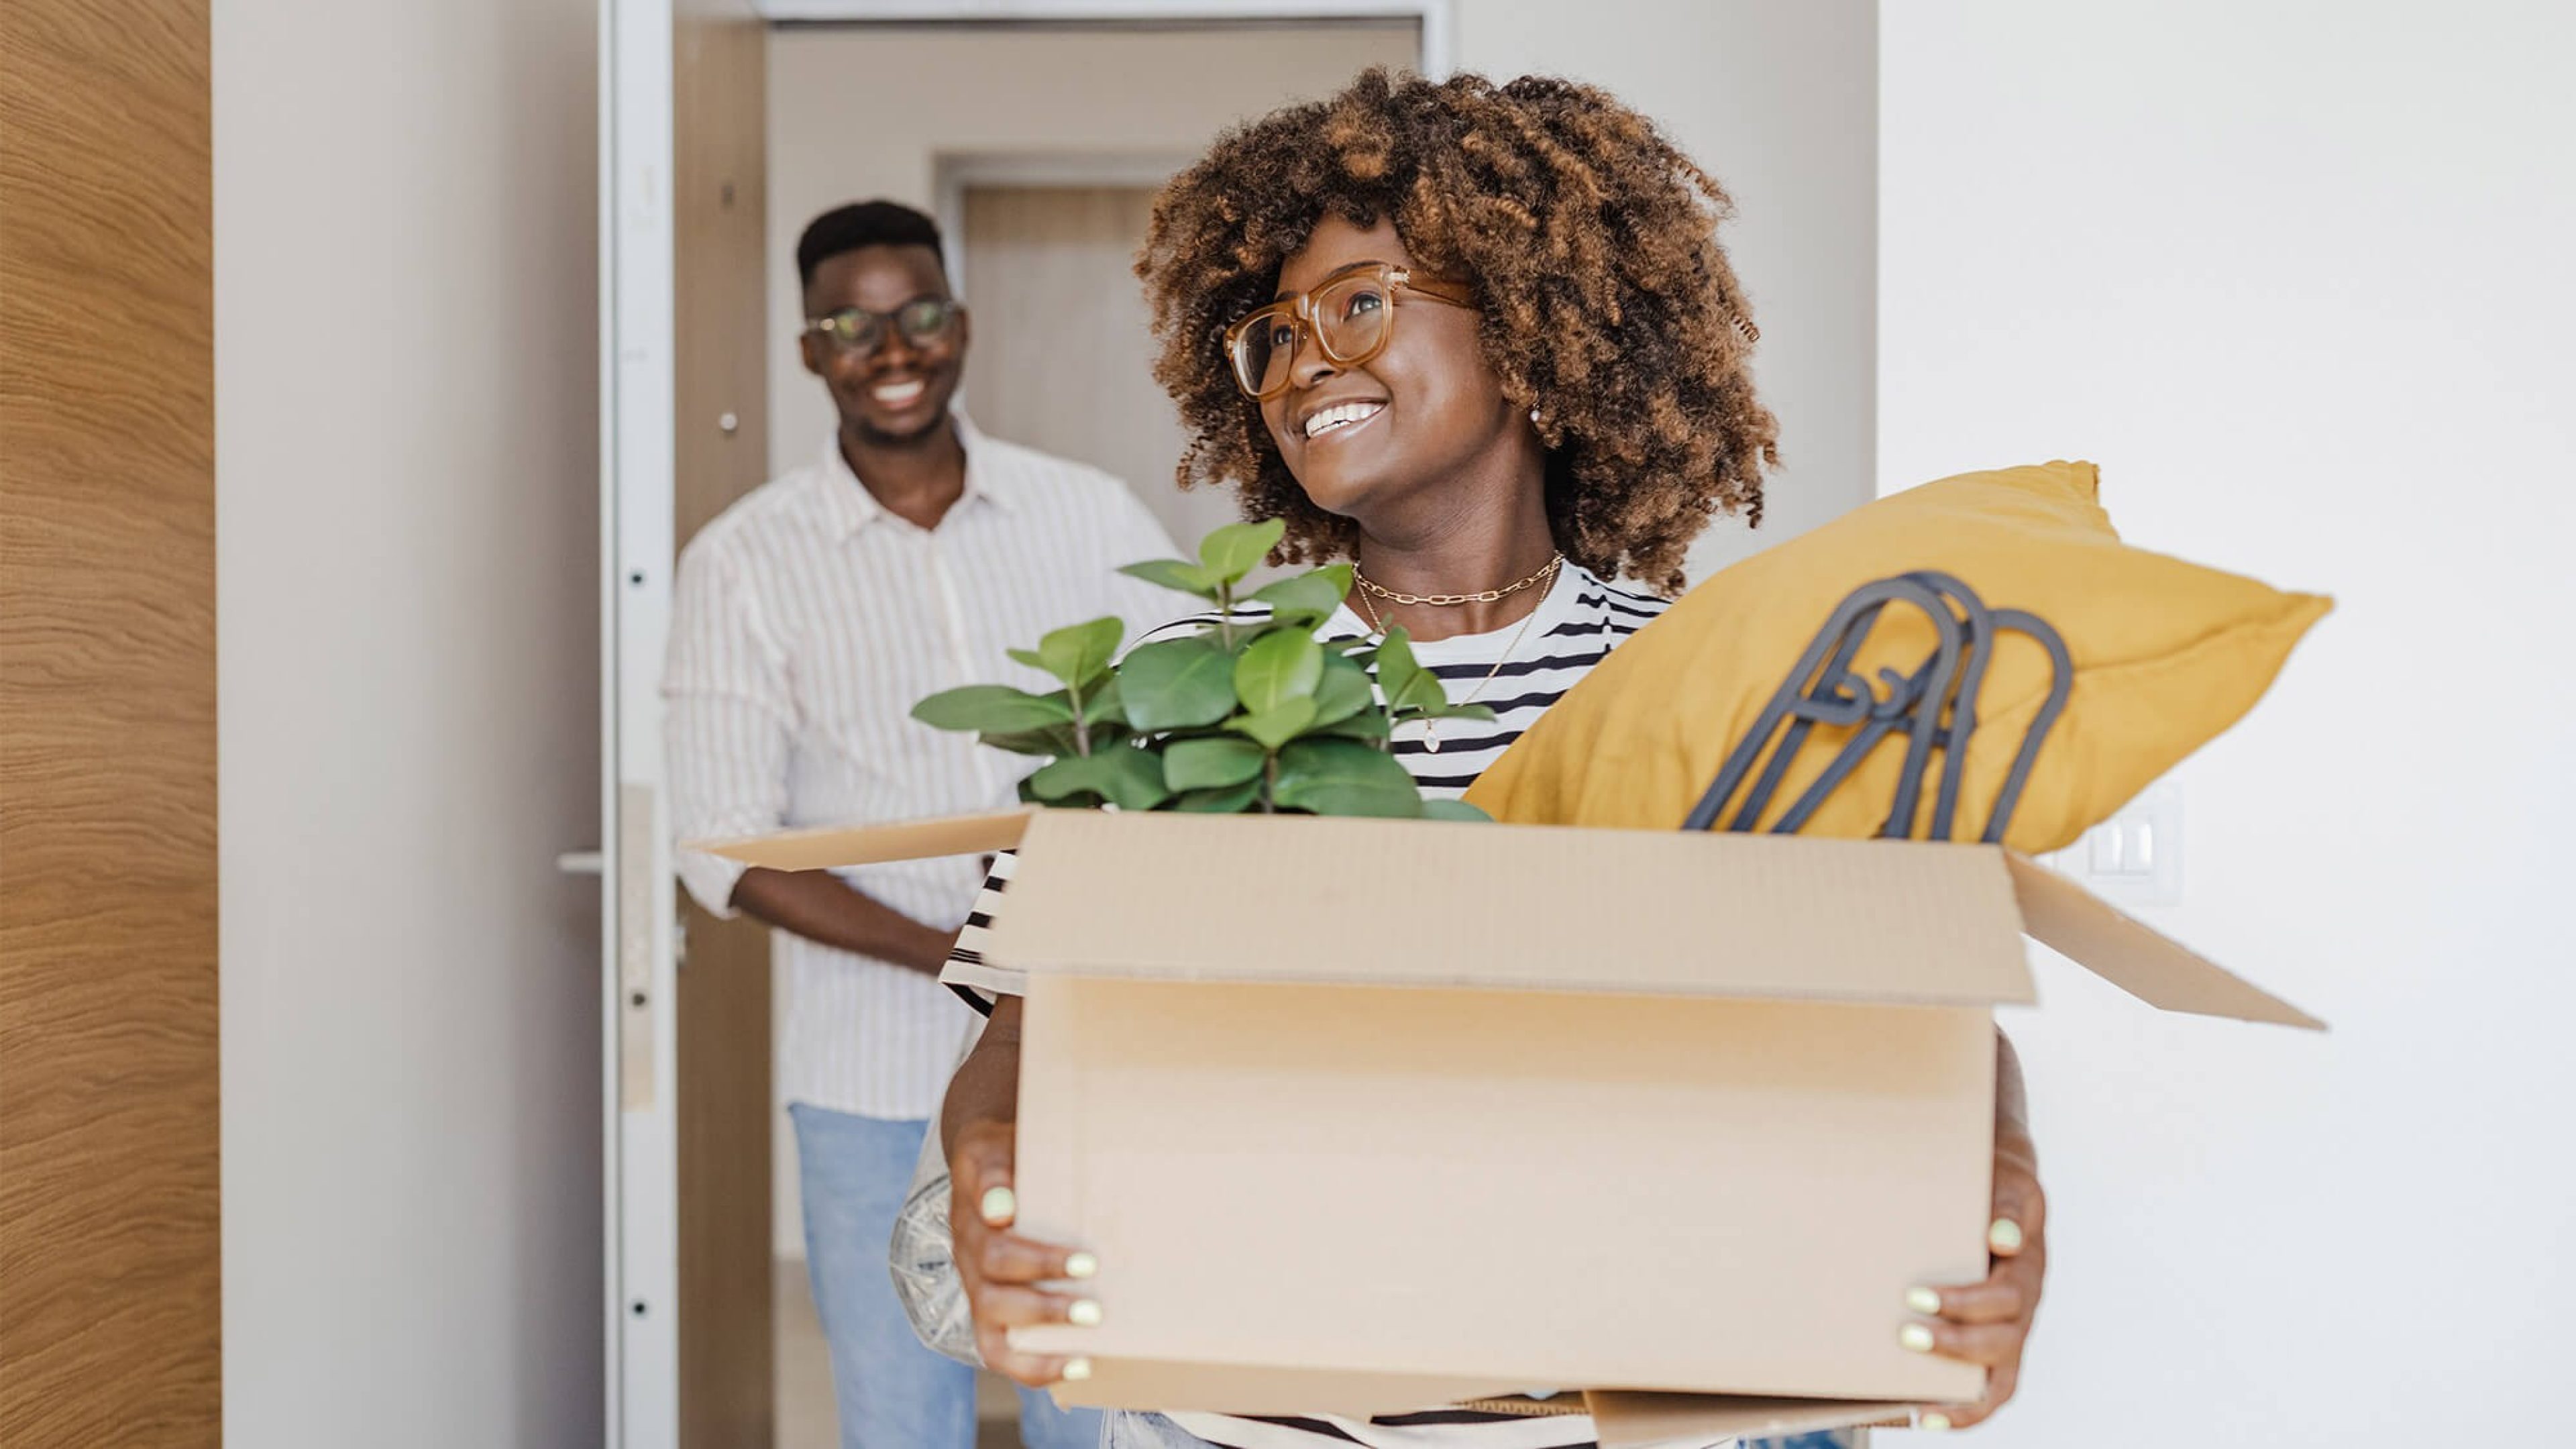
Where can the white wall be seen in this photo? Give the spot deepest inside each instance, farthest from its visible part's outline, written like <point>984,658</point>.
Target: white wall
<point>406,499</point>
<point>1779,102</point>
<point>2297,276</point>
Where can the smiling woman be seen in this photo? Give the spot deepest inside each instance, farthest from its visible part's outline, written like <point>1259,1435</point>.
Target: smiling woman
<point>1482,341</point>
<point>1578,250</point>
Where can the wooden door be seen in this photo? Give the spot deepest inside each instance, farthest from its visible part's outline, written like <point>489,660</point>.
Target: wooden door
<point>686,1129</point>
<point>1063,358</point>
<point>726,1337</point>
<point>110,1247</point>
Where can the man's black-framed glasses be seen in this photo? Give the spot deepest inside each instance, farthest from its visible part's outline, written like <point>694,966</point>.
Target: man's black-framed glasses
<point>923,322</point>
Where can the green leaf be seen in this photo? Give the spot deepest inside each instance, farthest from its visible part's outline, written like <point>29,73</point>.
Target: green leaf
<point>1080,653</point>
<point>1279,666</point>
<point>1217,763</point>
<point>1308,599</point>
<point>992,709</point>
<point>1102,704</point>
<point>1344,777</point>
<point>1172,573</point>
<point>1052,741</point>
<point>1029,657</point>
<point>1368,724</point>
<point>1408,686</point>
<point>1177,684</point>
<point>1459,711</point>
<point>1453,810</point>
<point>1233,800</point>
<point>1278,726</point>
<point>1395,663</point>
<point>1343,692</point>
<point>1128,778</point>
<point>1238,548</point>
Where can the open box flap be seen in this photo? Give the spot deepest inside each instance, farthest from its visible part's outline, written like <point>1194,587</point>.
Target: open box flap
<point>1305,899</point>
<point>1444,905</point>
<point>1710,1421</point>
<point>2129,954</point>
<point>840,845</point>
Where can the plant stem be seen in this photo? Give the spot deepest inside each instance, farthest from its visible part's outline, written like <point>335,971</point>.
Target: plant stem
<point>1269,783</point>
<point>1225,616</point>
<point>1081,731</point>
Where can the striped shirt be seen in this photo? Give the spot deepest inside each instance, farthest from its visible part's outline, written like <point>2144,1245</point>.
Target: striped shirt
<point>806,622</point>
<point>1519,671</point>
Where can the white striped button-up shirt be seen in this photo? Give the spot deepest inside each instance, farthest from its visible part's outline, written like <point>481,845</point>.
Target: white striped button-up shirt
<point>806,622</point>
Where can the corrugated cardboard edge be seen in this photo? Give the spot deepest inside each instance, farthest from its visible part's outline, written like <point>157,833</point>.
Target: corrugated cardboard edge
<point>1698,1421</point>
<point>2128,953</point>
<point>1168,1385</point>
<point>1621,1419</point>
<point>834,846</point>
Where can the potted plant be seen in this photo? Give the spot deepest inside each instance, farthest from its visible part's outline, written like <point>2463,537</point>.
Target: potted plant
<point>1246,711</point>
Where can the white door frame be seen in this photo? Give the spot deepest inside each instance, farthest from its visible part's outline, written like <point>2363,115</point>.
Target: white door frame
<point>637,460</point>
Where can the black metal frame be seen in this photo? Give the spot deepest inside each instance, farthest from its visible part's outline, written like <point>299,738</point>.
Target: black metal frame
<point>1935,707</point>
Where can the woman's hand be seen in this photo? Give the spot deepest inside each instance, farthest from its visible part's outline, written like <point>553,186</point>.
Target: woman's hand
<point>1988,1323</point>
<point>1004,1273</point>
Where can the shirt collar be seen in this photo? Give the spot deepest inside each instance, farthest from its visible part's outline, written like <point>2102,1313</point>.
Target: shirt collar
<point>851,507</point>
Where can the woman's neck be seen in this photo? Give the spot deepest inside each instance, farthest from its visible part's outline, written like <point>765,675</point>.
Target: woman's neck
<point>1479,551</point>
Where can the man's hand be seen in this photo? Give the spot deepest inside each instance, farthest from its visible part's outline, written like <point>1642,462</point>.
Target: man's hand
<point>820,906</point>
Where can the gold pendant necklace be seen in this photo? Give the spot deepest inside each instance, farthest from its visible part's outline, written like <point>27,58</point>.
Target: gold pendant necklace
<point>1431,727</point>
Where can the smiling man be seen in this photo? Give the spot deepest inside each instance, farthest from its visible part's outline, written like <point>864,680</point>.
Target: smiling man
<point>903,560</point>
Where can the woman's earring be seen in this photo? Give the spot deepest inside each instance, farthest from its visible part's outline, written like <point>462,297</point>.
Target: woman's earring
<point>1533,415</point>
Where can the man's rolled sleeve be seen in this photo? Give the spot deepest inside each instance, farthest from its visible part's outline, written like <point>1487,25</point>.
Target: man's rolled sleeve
<point>727,723</point>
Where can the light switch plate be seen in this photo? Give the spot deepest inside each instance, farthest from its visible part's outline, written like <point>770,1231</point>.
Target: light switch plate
<point>2135,857</point>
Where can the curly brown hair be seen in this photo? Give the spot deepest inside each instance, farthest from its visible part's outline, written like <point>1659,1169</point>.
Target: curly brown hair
<point>1606,301</point>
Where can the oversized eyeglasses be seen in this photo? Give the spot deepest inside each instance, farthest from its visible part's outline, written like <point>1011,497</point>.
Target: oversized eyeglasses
<point>1351,315</point>
<point>923,321</point>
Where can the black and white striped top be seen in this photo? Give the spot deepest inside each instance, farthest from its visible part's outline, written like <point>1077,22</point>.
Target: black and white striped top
<point>1518,672</point>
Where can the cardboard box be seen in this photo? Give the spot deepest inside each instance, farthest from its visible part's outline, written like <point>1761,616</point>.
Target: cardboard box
<point>1363,1116</point>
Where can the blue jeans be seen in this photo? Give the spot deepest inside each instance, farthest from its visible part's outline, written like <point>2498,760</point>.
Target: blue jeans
<point>1153,1431</point>
<point>892,1392</point>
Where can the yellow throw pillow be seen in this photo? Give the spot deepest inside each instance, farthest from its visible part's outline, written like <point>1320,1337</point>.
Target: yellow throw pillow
<point>2167,654</point>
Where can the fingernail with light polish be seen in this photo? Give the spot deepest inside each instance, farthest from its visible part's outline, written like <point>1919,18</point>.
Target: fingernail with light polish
<point>1923,1301</point>
<point>1081,1265</point>
<point>1916,1337</point>
<point>2004,1236</point>
<point>1085,1313</point>
<point>999,1206</point>
<point>1937,1423</point>
<point>1076,1370</point>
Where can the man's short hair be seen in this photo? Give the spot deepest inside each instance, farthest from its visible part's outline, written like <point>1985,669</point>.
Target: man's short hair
<point>864,224</point>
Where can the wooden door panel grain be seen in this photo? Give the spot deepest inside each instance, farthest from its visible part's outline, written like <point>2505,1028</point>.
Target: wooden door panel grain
<point>727,1352</point>
<point>110,1245</point>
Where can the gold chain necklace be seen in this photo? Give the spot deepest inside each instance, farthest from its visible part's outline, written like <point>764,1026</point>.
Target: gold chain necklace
<point>1489,596</point>
<point>1431,727</point>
